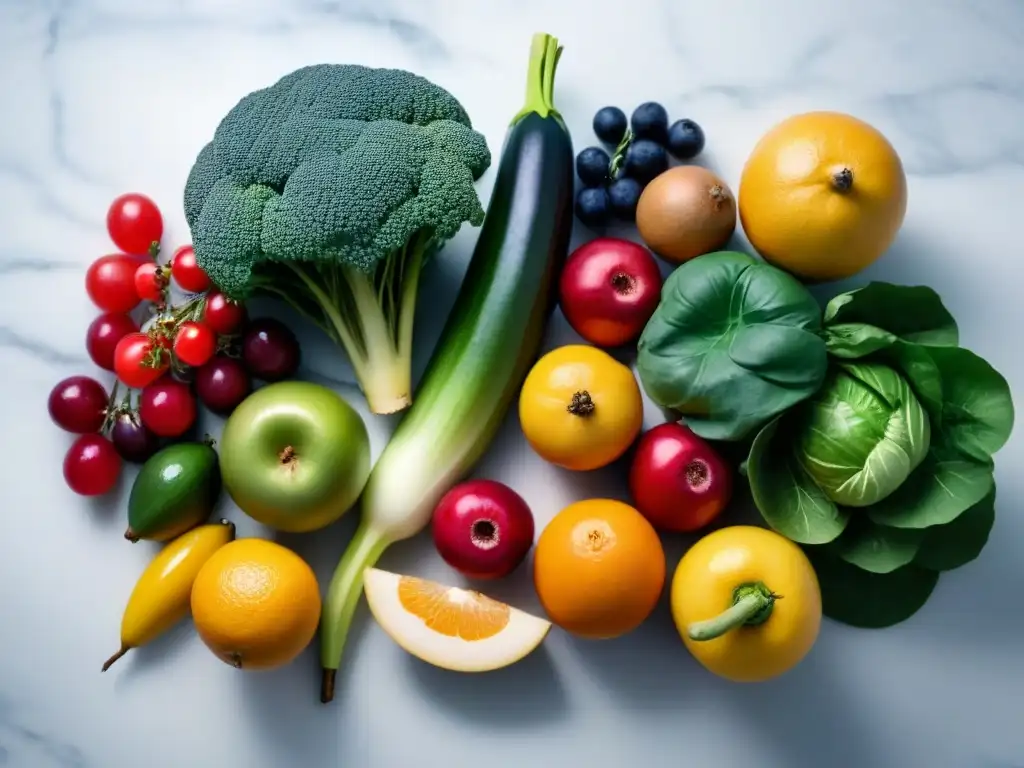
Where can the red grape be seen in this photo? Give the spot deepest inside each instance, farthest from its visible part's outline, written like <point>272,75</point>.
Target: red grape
<point>78,404</point>
<point>104,333</point>
<point>222,314</point>
<point>194,343</point>
<point>110,282</point>
<point>134,223</point>
<point>167,408</point>
<point>91,465</point>
<point>222,384</point>
<point>187,273</point>
<point>130,359</point>
<point>270,350</point>
<point>132,440</point>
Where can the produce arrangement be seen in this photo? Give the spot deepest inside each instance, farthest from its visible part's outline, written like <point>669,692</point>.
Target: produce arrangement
<point>867,430</point>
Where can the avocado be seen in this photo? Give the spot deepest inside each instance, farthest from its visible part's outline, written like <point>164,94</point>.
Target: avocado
<point>175,490</point>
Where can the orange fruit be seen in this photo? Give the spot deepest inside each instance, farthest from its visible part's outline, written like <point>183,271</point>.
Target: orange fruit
<point>822,195</point>
<point>256,604</point>
<point>450,627</point>
<point>599,568</point>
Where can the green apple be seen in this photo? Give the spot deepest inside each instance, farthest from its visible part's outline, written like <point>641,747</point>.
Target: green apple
<point>294,456</point>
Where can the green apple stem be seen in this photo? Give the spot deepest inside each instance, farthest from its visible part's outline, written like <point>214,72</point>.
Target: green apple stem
<point>363,551</point>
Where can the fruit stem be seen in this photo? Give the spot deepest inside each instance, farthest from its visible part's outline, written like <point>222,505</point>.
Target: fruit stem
<point>540,81</point>
<point>752,604</point>
<point>120,652</point>
<point>363,551</point>
<point>131,535</point>
<point>842,180</point>
<point>581,405</point>
<point>719,195</point>
<point>619,155</point>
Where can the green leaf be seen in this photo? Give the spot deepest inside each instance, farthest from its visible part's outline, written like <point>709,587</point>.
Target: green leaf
<point>946,547</point>
<point>914,313</point>
<point>877,548</point>
<point>786,496</point>
<point>920,370</point>
<point>854,340</point>
<point>977,408</point>
<point>943,486</point>
<point>733,343</point>
<point>853,596</point>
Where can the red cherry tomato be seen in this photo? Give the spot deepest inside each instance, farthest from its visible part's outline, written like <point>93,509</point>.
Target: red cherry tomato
<point>134,223</point>
<point>103,335</point>
<point>150,282</point>
<point>222,314</point>
<point>129,357</point>
<point>167,407</point>
<point>195,343</point>
<point>187,273</point>
<point>110,282</point>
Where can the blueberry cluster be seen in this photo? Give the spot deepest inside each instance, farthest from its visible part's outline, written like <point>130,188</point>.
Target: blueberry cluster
<point>612,183</point>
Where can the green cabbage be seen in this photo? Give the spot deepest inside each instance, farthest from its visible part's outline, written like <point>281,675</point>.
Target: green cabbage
<point>863,434</point>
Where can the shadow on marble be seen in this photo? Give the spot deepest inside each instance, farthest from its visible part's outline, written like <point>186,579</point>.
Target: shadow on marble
<point>154,658</point>
<point>520,696</point>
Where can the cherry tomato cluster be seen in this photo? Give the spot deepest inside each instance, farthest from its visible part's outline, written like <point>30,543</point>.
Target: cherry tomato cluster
<point>202,349</point>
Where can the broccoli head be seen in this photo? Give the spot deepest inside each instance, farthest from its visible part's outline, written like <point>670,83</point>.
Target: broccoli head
<point>329,189</point>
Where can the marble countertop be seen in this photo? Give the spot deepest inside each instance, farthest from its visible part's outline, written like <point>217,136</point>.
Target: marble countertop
<point>107,96</point>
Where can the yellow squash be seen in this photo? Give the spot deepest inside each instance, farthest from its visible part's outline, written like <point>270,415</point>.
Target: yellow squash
<point>746,602</point>
<point>580,408</point>
<point>161,596</point>
<point>822,195</point>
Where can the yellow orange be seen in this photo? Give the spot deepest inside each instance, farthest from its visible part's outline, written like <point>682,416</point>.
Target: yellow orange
<point>256,604</point>
<point>449,627</point>
<point>599,568</point>
<point>580,408</point>
<point>822,195</point>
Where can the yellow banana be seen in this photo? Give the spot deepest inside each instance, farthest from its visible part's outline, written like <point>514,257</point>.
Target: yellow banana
<point>161,596</point>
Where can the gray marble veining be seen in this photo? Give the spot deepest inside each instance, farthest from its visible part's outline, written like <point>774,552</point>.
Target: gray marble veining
<point>105,96</point>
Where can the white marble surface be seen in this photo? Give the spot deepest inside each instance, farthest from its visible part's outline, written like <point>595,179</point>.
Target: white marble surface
<point>105,96</point>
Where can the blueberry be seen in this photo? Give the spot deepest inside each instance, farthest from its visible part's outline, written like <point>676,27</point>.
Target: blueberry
<point>592,166</point>
<point>650,121</point>
<point>645,159</point>
<point>623,194</point>
<point>592,206</point>
<point>685,139</point>
<point>610,125</point>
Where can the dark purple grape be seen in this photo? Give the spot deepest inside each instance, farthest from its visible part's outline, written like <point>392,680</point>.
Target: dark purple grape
<point>650,121</point>
<point>270,350</point>
<point>222,384</point>
<point>78,404</point>
<point>685,139</point>
<point>132,440</point>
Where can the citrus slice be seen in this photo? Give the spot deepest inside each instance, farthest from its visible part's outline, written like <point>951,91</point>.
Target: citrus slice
<point>452,628</point>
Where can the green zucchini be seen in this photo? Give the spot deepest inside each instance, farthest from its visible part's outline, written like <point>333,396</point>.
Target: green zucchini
<point>491,339</point>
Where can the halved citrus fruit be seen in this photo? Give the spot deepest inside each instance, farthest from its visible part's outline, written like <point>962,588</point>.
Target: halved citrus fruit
<point>452,628</point>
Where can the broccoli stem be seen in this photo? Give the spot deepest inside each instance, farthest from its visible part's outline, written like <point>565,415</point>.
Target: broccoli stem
<point>371,314</point>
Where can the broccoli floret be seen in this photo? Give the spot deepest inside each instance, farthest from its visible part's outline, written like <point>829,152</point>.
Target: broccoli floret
<point>329,189</point>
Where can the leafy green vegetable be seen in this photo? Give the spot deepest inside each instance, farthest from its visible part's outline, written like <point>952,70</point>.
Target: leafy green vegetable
<point>856,340</point>
<point>977,409</point>
<point>860,598</point>
<point>877,548</point>
<point>788,498</point>
<point>945,547</point>
<point>733,342</point>
<point>862,435</point>
<point>885,474</point>
<point>914,313</point>
<point>329,189</point>
<point>937,492</point>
